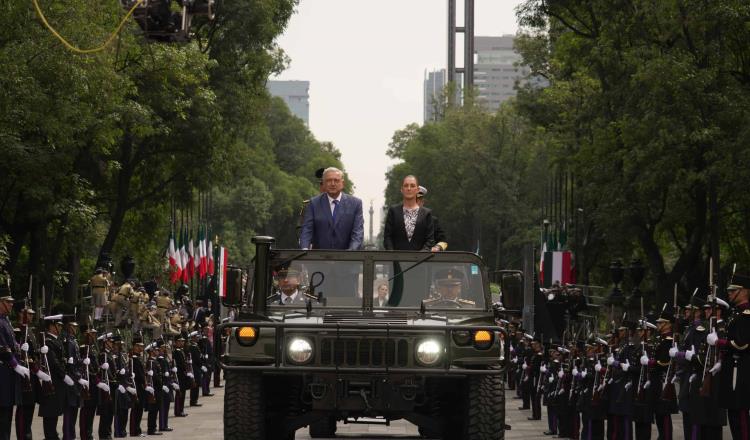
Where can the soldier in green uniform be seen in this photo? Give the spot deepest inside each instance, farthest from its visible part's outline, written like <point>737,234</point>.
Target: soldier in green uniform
<point>449,284</point>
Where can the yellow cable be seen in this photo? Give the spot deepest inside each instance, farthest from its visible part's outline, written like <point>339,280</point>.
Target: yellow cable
<point>76,49</point>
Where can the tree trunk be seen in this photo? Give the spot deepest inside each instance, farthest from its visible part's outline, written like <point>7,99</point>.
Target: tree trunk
<point>73,266</point>
<point>123,194</point>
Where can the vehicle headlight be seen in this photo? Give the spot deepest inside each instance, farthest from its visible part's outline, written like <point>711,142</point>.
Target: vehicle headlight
<point>428,352</point>
<point>299,350</point>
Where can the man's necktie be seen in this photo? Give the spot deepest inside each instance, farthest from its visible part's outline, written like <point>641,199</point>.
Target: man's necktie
<point>288,300</point>
<point>333,213</point>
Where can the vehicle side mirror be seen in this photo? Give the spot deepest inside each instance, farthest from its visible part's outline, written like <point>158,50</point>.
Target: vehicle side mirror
<point>233,288</point>
<point>511,290</point>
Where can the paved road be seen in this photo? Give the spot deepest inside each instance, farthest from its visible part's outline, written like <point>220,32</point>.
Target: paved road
<point>206,423</point>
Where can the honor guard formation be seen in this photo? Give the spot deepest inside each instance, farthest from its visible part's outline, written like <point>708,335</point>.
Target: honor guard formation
<point>142,353</point>
<point>692,359</point>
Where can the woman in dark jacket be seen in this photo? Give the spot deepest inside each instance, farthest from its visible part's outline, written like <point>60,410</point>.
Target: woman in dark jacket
<point>409,227</point>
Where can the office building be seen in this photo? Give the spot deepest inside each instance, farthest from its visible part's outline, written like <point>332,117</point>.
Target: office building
<point>295,94</point>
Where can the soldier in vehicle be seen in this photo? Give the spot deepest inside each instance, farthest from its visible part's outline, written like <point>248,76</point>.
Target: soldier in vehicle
<point>449,283</point>
<point>289,293</point>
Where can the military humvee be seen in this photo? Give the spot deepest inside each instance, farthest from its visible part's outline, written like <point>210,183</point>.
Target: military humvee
<point>319,339</point>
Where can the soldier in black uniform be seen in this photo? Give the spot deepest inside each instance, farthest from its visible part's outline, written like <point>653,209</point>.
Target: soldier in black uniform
<point>28,357</point>
<point>643,404</point>
<point>10,370</point>
<point>138,381</point>
<point>72,369</point>
<point>169,384</point>
<point>534,360</point>
<point>89,374</point>
<point>710,416</point>
<point>734,378</point>
<point>154,391</point>
<point>105,407</point>
<point>195,359</point>
<point>591,406</point>
<point>53,376</point>
<point>688,370</point>
<point>524,385</point>
<point>659,362</point>
<point>554,374</point>
<point>180,370</point>
<point>125,392</point>
<point>624,380</point>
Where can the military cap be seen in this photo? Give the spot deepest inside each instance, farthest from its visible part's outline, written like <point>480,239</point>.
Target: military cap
<point>449,277</point>
<point>719,302</point>
<point>116,338</point>
<point>666,314</point>
<point>105,336</point>
<point>8,298</point>
<point>193,334</point>
<point>137,340</point>
<point>54,318</point>
<point>739,281</point>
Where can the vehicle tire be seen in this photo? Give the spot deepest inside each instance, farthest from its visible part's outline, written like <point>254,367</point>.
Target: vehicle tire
<point>323,428</point>
<point>485,408</point>
<point>244,406</point>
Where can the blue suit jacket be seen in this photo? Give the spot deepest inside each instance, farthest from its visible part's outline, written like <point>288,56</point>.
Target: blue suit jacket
<point>319,230</point>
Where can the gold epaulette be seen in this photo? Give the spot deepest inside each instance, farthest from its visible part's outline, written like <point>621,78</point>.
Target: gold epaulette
<point>746,312</point>
<point>662,364</point>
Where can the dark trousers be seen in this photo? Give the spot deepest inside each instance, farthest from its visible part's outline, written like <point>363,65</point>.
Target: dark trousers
<point>511,380</point>
<point>552,419</point>
<point>49,424</point>
<point>738,424</point>
<point>642,431</point>
<point>621,429</point>
<point>136,415</point>
<point>536,405</point>
<point>70,415</point>
<point>179,402</point>
<point>664,426</point>
<point>687,425</point>
<point>592,429</point>
<point>711,432</point>
<point>86,422</point>
<point>526,394</point>
<point>24,417</point>
<point>121,422</point>
<point>6,420</point>
<point>217,375</point>
<point>206,383</point>
<point>106,415</point>
<point>153,413</point>
<point>164,413</point>
<point>194,393</point>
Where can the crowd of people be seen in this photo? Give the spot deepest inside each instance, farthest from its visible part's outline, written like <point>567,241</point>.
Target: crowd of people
<point>693,360</point>
<point>144,351</point>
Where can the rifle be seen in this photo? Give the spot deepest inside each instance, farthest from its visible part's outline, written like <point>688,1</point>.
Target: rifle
<point>48,388</point>
<point>705,390</point>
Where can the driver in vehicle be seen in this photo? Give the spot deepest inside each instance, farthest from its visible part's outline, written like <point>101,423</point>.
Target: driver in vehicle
<point>448,286</point>
<point>288,289</point>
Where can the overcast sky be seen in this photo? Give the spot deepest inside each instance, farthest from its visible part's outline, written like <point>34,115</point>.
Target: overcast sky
<point>366,60</point>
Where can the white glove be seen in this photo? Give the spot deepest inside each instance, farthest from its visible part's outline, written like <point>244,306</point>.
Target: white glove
<point>165,388</point>
<point>132,390</point>
<point>625,366</point>
<point>190,375</point>
<point>551,379</point>
<point>524,366</point>
<point>103,386</point>
<point>132,376</point>
<point>150,390</point>
<point>22,371</point>
<point>84,383</point>
<point>44,377</point>
<point>644,360</point>
<point>25,346</point>
<point>560,374</point>
<point>715,369</point>
<point>598,367</point>
<point>675,379</point>
<point>543,369</point>
<point>647,384</point>
<point>166,374</point>
<point>70,360</point>
<point>673,352</point>
<point>610,360</point>
<point>690,353</point>
<point>190,361</point>
<point>176,386</point>
<point>205,356</point>
<point>692,377</point>
<point>150,372</point>
<point>583,374</point>
<point>628,386</point>
<point>86,361</point>
<point>174,369</point>
<point>121,389</point>
<point>122,371</point>
<point>712,338</point>
<point>575,371</point>
<point>104,366</point>
<point>68,381</point>
<point>515,360</point>
<point>44,349</point>
<point>204,369</point>
<point>609,382</point>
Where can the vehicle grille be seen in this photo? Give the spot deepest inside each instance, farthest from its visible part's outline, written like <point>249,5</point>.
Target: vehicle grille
<point>389,318</point>
<point>364,352</point>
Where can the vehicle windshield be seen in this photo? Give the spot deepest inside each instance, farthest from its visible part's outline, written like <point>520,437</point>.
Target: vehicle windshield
<point>396,283</point>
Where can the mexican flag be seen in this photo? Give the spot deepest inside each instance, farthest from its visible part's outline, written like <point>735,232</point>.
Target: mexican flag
<point>174,266</point>
<point>202,254</point>
<point>210,268</point>
<point>184,256</point>
<point>557,267</point>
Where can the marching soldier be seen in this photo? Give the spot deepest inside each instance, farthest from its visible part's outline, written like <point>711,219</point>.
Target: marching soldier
<point>734,377</point>
<point>106,404</point>
<point>90,374</point>
<point>29,388</point>
<point>53,376</point>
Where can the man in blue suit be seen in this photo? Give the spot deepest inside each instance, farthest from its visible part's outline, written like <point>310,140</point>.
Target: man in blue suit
<point>333,220</point>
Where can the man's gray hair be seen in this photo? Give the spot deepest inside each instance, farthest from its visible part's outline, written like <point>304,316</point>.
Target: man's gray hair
<point>333,170</point>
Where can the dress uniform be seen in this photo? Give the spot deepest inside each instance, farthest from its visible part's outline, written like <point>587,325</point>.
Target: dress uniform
<point>54,378</point>
<point>124,393</point>
<point>138,381</point>
<point>106,404</point>
<point>195,359</point>
<point>154,391</point>
<point>72,390</point>
<point>89,394</point>
<point>183,381</point>
<point>169,383</point>
<point>661,364</point>
<point>734,378</point>
<point>10,370</point>
<point>29,388</point>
